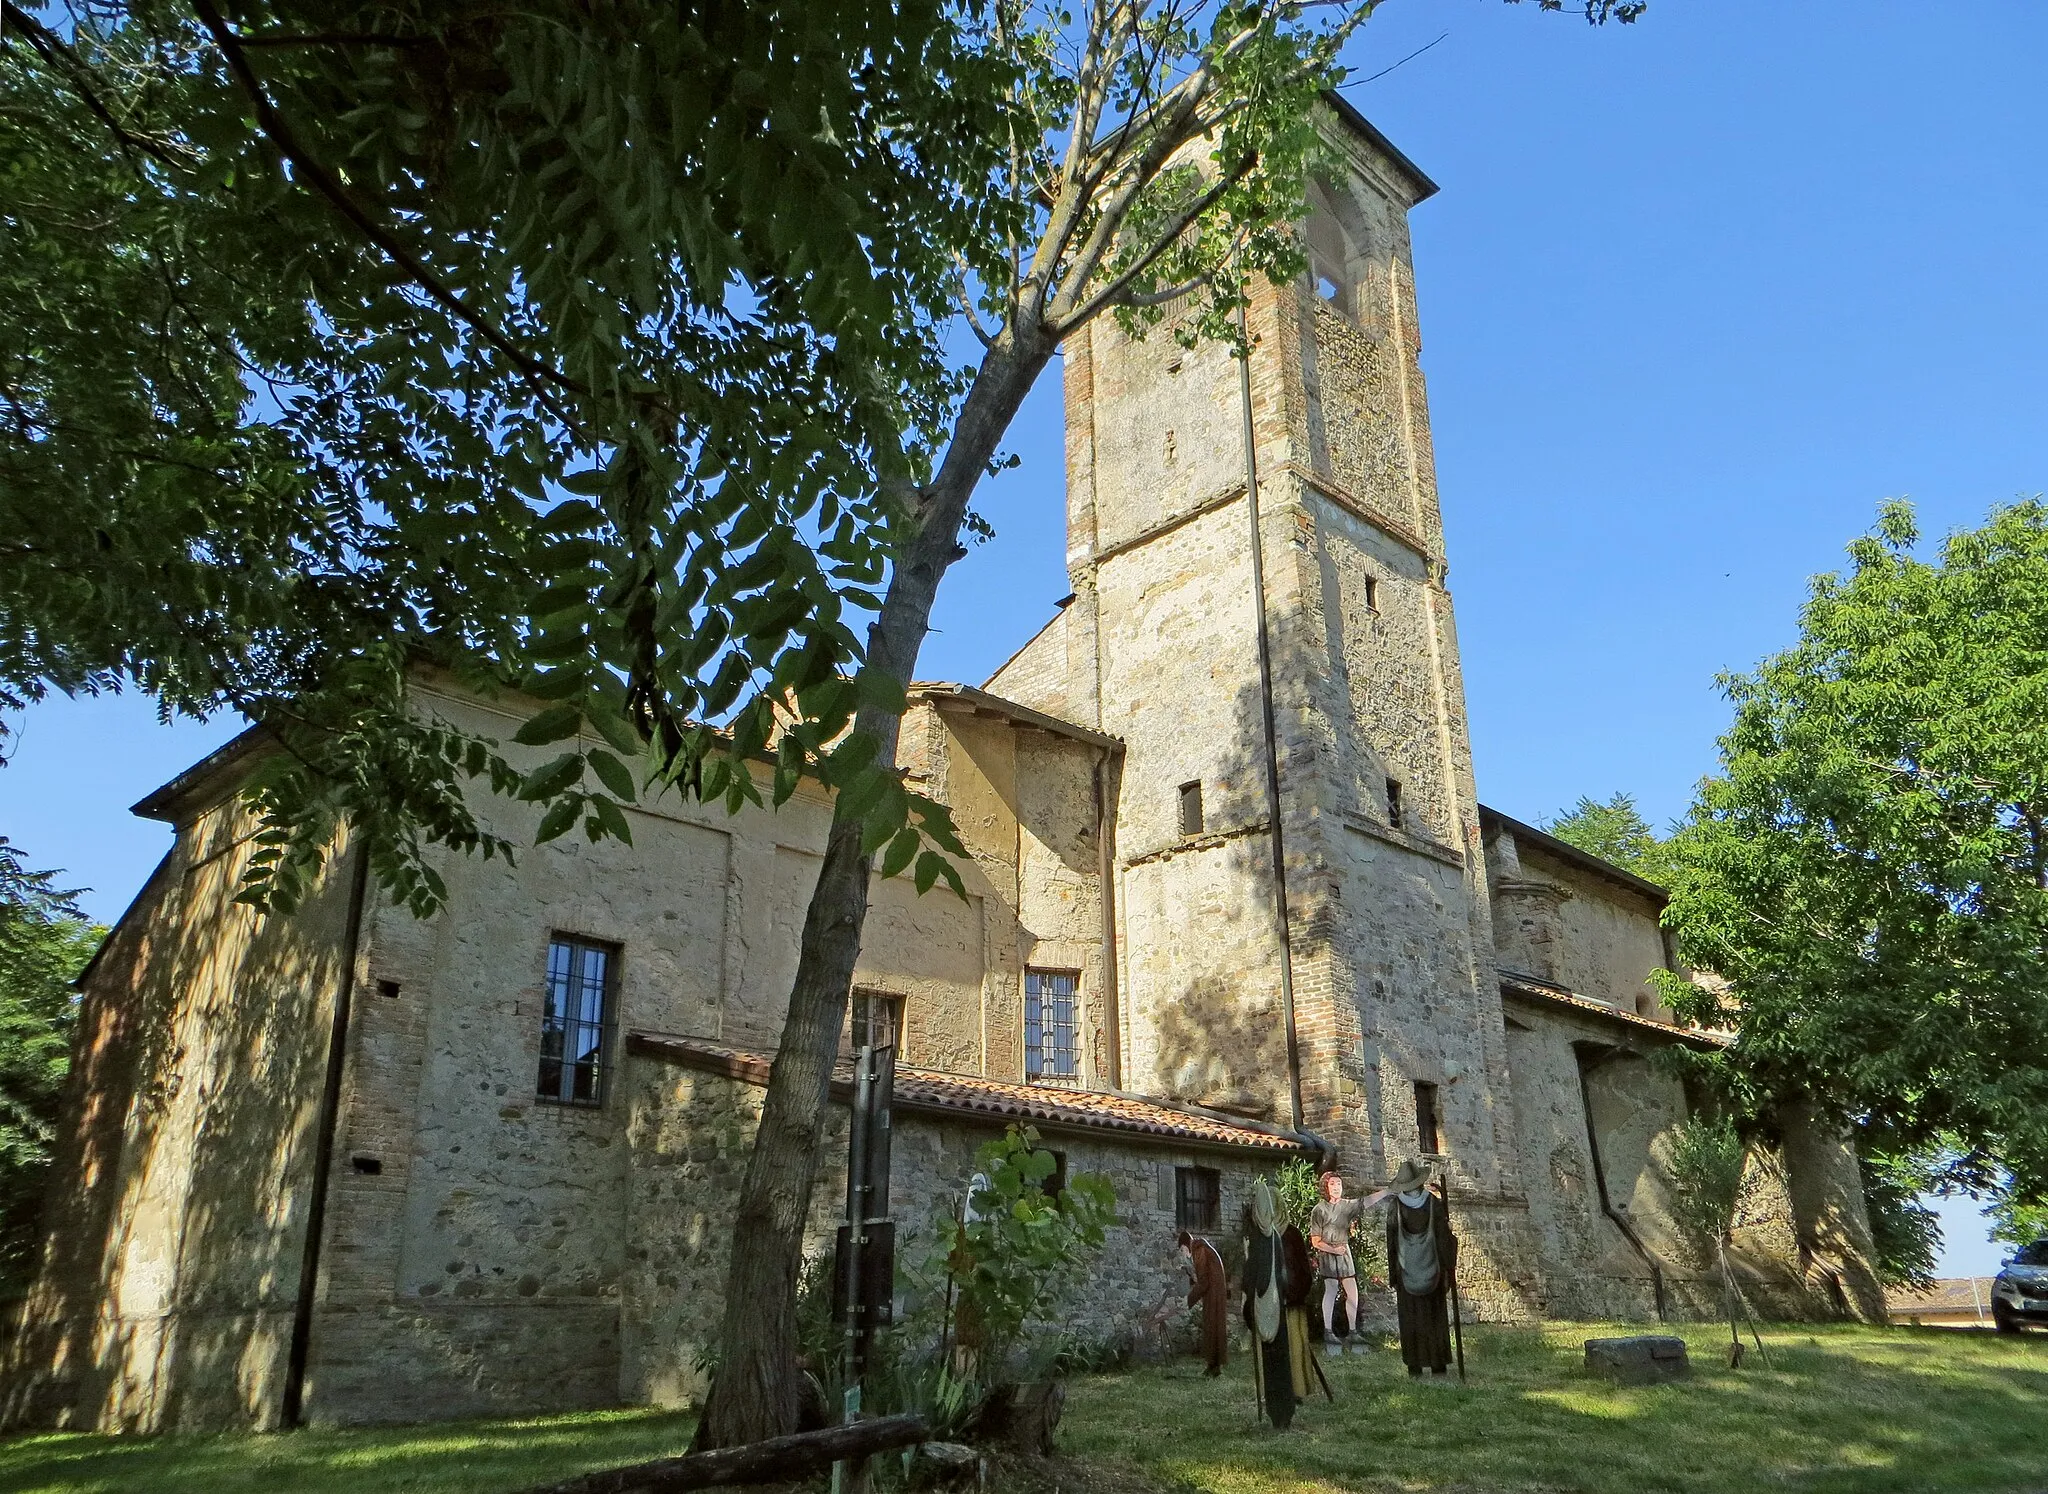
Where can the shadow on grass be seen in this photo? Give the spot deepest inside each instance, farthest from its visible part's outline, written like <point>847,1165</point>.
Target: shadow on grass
<point>452,1458</point>
<point>1840,1409</point>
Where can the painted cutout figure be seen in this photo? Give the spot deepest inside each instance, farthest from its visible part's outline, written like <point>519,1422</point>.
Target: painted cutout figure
<point>1422,1257</point>
<point>1329,1230</point>
<point>1209,1285</point>
<point>1265,1290</point>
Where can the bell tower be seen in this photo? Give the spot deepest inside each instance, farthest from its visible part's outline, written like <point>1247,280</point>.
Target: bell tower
<point>1397,1012</point>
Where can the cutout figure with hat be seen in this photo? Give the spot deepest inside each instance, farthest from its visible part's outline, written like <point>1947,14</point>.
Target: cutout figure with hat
<point>1422,1260</point>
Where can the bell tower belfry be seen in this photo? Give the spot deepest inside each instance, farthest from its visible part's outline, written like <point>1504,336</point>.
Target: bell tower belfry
<point>1397,1011</point>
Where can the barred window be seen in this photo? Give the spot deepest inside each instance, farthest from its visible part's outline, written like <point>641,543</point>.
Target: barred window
<point>1197,1199</point>
<point>878,1019</point>
<point>1051,1054</point>
<point>575,1023</point>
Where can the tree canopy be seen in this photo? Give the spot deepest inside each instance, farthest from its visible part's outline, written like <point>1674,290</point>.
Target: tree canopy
<point>44,943</point>
<point>1615,831</point>
<point>1869,869</point>
<point>573,349</point>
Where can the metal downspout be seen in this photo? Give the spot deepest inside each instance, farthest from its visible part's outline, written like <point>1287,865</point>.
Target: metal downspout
<point>1621,1220</point>
<point>1105,852</point>
<point>1280,919</point>
<point>291,1411</point>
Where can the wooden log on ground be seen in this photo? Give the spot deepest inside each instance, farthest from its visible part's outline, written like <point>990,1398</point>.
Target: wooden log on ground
<point>774,1461</point>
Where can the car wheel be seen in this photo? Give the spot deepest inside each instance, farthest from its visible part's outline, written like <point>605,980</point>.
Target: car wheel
<point>2002,1318</point>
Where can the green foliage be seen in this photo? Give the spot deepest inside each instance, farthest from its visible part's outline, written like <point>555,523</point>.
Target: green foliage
<point>1905,1234</point>
<point>44,944</point>
<point>1869,871</point>
<point>1297,1191</point>
<point>2017,1222</point>
<point>584,343</point>
<point>1704,1160</point>
<point>1010,1264</point>
<point>1615,832</point>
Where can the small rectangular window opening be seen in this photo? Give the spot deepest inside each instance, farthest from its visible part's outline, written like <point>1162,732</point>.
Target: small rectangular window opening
<point>877,1019</point>
<point>1197,1199</point>
<point>1057,1183</point>
<point>575,1023</point>
<point>388,989</point>
<point>1051,1026</point>
<point>1191,808</point>
<point>1394,802</point>
<point>1372,594</point>
<point>1425,1119</point>
<point>368,1166</point>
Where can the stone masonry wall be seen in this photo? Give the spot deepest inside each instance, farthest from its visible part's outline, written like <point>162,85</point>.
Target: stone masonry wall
<point>478,1257</point>
<point>690,1134</point>
<point>1586,1267</point>
<point>175,1228</point>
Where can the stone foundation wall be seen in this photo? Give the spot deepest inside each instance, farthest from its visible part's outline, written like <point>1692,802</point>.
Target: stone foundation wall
<point>691,1133</point>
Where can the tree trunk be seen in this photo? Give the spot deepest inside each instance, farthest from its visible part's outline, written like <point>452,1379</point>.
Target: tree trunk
<point>755,1393</point>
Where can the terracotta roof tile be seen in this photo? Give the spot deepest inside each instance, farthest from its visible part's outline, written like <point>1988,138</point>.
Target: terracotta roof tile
<point>935,1091</point>
<point>1947,1294</point>
<point>1513,982</point>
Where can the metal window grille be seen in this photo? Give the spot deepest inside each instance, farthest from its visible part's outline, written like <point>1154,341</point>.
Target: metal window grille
<point>877,1019</point>
<point>575,1023</point>
<point>1197,1199</point>
<point>1051,1054</point>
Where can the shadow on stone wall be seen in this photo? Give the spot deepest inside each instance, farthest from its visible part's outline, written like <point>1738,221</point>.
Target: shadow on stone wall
<point>1218,1048</point>
<point>175,1222</point>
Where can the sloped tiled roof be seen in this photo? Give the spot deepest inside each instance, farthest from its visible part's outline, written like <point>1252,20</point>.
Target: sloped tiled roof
<point>933,1091</point>
<point>1947,1294</point>
<point>1515,983</point>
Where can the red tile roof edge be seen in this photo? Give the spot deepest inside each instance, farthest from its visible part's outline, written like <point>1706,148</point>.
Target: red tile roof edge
<point>1529,987</point>
<point>935,1092</point>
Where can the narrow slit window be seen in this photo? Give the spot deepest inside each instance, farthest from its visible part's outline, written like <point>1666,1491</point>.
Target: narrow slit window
<point>1426,1133</point>
<point>1051,1051</point>
<point>1394,803</point>
<point>1191,808</point>
<point>1197,1199</point>
<point>575,1023</point>
<point>1372,594</point>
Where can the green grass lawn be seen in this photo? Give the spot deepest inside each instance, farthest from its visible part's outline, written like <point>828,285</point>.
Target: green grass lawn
<point>1842,1409</point>
<point>477,1457</point>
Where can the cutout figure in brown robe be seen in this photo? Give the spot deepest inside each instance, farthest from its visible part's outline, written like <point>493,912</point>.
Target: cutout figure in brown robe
<point>1422,1256</point>
<point>1209,1284</point>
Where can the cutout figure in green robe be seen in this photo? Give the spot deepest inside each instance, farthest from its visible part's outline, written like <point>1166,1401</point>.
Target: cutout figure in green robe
<point>1266,1286</point>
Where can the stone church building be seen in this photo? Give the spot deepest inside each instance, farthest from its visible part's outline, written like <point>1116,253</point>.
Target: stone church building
<point>349,1166</point>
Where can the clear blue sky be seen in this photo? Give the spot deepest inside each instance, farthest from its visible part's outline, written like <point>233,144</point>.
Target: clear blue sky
<point>1697,294</point>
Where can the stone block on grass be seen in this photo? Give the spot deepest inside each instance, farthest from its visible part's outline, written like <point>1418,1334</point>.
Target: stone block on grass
<point>1642,1359</point>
